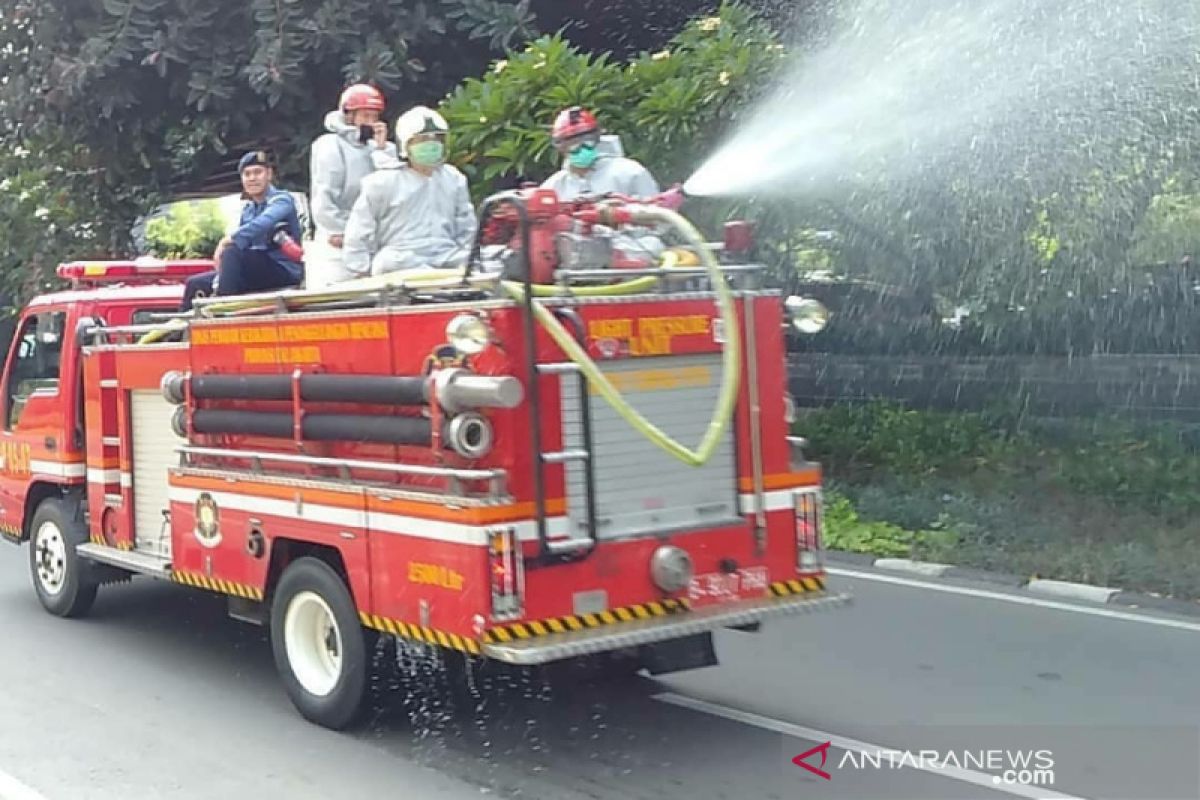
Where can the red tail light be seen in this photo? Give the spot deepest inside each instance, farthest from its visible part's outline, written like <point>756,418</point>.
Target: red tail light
<point>810,554</point>
<point>506,570</point>
<point>739,237</point>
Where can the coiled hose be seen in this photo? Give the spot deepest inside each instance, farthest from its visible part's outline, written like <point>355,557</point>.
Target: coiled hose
<point>730,357</point>
<point>731,365</point>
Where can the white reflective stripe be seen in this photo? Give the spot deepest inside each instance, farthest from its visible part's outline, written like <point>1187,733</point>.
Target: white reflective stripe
<point>126,480</point>
<point>95,475</point>
<point>310,512</point>
<point>556,528</point>
<point>58,469</point>
<point>420,527</point>
<point>777,500</point>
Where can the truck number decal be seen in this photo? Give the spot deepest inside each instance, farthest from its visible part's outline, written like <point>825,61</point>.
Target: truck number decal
<point>722,586</point>
<point>14,458</point>
<point>434,575</point>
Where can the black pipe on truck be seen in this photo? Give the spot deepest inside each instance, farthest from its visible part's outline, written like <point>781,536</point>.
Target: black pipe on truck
<point>316,427</point>
<point>470,435</point>
<point>457,390</point>
<point>381,389</point>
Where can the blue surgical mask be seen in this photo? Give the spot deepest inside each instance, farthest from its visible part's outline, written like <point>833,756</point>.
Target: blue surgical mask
<point>584,156</point>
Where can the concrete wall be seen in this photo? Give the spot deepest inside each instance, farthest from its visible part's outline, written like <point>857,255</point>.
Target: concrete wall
<point>1141,387</point>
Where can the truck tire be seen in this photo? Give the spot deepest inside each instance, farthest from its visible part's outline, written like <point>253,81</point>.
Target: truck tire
<point>319,646</point>
<point>65,583</point>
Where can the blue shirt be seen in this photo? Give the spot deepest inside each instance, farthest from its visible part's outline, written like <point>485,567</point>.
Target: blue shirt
<point>257,226</point>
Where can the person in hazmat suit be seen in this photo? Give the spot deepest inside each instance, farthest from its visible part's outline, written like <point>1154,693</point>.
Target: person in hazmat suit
<point>593,166</point>
<point>339,161</point>
<point>413,211</point>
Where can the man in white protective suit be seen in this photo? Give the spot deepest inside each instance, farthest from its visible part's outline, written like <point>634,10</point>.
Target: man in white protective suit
<point>413,211</point>
<point>340,159</point>
<point>593,166</point>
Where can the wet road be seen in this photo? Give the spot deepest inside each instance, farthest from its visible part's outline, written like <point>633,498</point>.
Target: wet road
<point>159,695</point>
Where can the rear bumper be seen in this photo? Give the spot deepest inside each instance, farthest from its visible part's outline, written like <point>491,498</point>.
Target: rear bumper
<point>568,644</point>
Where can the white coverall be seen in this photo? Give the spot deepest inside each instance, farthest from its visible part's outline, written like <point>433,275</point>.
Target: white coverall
<point>619,175</point>
<point>405,220</point>
<point>338,164</point>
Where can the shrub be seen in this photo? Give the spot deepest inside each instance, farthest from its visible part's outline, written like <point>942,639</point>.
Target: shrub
<point>187,230</point>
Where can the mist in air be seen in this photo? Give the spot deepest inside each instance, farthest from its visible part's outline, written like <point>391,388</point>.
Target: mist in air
<point>982,87</point>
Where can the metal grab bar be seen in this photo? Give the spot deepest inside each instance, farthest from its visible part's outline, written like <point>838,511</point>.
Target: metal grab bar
<point>495,476</point>
<point>673,272</point>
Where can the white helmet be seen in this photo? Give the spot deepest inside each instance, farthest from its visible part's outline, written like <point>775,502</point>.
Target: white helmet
<point>418,119</point>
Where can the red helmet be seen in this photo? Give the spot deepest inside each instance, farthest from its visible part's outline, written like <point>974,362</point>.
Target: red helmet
<point>361,96</point>
<point>572,122</point>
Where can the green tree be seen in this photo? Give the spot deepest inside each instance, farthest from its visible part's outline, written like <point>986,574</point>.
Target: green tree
<point>129,97</point>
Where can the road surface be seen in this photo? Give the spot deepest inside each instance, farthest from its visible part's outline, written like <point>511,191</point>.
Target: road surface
<point>158,694</point>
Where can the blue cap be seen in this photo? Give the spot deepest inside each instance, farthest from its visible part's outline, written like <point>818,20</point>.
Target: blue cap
<point>253,158</point>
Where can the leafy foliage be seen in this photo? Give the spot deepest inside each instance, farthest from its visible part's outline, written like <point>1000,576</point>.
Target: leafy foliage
<point>670,106</point>
<point>131,97</point>
<point>846,530</point>
<point>1153,468</point>
<point>1098,502</point>
<point>187,230</point>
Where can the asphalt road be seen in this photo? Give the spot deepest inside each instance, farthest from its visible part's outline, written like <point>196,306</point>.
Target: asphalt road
<point>159,695</point>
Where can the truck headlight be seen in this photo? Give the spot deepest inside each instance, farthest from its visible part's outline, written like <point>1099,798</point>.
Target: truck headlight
<point>468,333</point>
<point>807,315</point>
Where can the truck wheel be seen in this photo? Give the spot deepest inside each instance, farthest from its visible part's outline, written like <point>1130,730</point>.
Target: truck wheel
<point>319,646</point>
<point>65,583</point>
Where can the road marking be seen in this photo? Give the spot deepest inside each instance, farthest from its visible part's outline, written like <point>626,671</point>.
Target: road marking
<point>846,743</point>
<point>1019,599</point>
<point>13,789</point>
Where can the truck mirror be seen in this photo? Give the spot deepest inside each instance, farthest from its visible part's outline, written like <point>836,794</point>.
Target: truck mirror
<point>84,329</point>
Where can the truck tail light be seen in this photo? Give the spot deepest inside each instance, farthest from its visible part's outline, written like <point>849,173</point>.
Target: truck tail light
<point>810,554</point>
<point>506,570</point>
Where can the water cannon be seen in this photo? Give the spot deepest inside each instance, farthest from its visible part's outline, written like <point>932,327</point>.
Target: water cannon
<point>672,199</point>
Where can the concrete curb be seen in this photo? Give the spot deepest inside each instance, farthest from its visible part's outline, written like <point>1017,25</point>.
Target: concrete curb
<point>1072,591</point>
<point>927,569</point>
<point>1064,590</point>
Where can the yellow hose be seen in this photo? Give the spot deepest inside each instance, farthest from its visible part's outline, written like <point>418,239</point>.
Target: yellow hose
<point>730,356</point>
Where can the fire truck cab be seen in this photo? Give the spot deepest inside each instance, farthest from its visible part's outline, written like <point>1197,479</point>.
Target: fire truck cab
<point>493,462</point>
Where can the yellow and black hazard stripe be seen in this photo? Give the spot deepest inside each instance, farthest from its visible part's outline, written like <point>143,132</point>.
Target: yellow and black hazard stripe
<point>10,531</point>
<point>419,633</point>
<point>98,538</point>
<point>579,622</point>
<point>218,585</point>
<point>797,586</point>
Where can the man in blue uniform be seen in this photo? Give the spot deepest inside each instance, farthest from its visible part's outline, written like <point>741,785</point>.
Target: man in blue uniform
<point>251,259</point>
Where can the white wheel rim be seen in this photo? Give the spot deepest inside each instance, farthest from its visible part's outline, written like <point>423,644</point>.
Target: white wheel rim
<point>50,557</point>
<point>313,642</point>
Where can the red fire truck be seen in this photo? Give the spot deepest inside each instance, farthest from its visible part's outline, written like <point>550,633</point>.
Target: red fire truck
<point>493,461</point>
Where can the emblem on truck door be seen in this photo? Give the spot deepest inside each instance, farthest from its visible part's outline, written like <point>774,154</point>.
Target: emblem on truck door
<point>208,521</point>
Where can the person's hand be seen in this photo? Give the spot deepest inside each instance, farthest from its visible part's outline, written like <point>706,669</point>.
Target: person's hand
<point>221,245</point>
<point>337,240</point>
<point>381,135</point>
